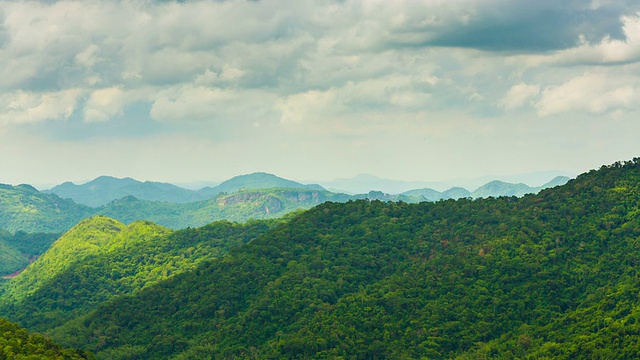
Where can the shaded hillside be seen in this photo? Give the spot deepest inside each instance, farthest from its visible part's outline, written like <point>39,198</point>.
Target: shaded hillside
<point>105,189</point>
<point>17,343</point>
<point>24,208</point>
<point>101,258</point>
<point>545,276</point>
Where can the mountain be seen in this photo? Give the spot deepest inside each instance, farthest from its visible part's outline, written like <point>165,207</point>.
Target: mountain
<point>17,343</point>
<point>105,189</point>
<point>548,275</point>
<point>495,188</point>
<point>24,208</point>
<point>239,206</point>
<point>499,188</point>
<point>101,258</point>
<point>258,180</point>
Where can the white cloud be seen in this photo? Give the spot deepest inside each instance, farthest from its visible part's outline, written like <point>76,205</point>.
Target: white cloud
<point>24,107</point>
<point>518,95</point>
<point>596,92</point>
<point>103,104</point>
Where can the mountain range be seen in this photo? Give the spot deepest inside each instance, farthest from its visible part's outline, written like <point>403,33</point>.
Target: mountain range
<point>550,275</point>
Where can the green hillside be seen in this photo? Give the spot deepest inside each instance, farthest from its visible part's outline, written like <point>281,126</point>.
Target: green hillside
<point>101,258</point>
<point>239,206</point>
<point>552,275</point>
<point>16,343</point>
<point>24,208</point>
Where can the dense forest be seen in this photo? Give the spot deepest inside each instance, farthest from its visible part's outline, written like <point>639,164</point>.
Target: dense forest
<point>552,275</point>
<point>16,343</point>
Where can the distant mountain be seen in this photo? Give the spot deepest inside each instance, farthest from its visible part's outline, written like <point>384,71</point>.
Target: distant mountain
<point>363,183</point>
<point>499,188</point>
<point>24,208</point>
<point>258,180</point>
<point>495,188</point>
<point>105,189</point>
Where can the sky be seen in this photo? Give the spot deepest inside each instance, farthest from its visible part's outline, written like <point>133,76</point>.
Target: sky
<point>415,90</point>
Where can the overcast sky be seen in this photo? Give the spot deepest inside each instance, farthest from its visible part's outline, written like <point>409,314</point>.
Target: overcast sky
<point>411,90</point>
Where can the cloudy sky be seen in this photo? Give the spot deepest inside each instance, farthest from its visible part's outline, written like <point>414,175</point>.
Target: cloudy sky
<point>402,89</point>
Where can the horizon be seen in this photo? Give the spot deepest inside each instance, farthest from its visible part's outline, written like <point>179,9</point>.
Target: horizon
<point>201,91</point>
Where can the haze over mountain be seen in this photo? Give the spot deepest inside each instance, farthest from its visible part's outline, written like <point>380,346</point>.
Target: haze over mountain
<point>364,183</point>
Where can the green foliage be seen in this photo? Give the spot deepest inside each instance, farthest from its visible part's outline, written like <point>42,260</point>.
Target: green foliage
<point>553,275</point>
<point>239,206</point>
<point>101,258</point>
<point>17,343</point>
<point>11,260</point>
<point>24,208</point>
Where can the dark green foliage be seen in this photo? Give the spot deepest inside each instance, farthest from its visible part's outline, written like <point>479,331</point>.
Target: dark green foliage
<point>17,343</point>
<point>553,275</point>
<point>101,258</point>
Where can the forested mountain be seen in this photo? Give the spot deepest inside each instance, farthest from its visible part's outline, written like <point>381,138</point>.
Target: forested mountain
<point>105,189</point>
<point>24,208</point>
<point>552,275</point>
<point>239,206</point>
<point>16,343</point>
<point>101,258</point>
<point>254,181</point>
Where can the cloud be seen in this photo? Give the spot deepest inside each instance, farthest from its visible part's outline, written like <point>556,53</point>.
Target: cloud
<point>24,107</point>
<point>518,96</point>
<point>595,92</point>
<point>304,63</point>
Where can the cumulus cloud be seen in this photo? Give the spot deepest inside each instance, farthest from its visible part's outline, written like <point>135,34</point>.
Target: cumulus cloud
<point>596,92</point>
<point>518,96</point>
<point>290,63</point>
<point>25,107</point>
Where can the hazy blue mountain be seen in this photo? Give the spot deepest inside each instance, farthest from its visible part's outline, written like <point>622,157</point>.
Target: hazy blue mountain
<point>456,193</point>
<point>105,189</point>
<point>258,180</point>
<point>364,183</point>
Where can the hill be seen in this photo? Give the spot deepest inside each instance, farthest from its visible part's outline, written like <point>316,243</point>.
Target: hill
<point>551,275</point>
<point>105,189</point>
<point>239,206</point>
<point>258,180</point>
<point>101,258</point>
<point>24,208</point>
<point>17,343</point>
